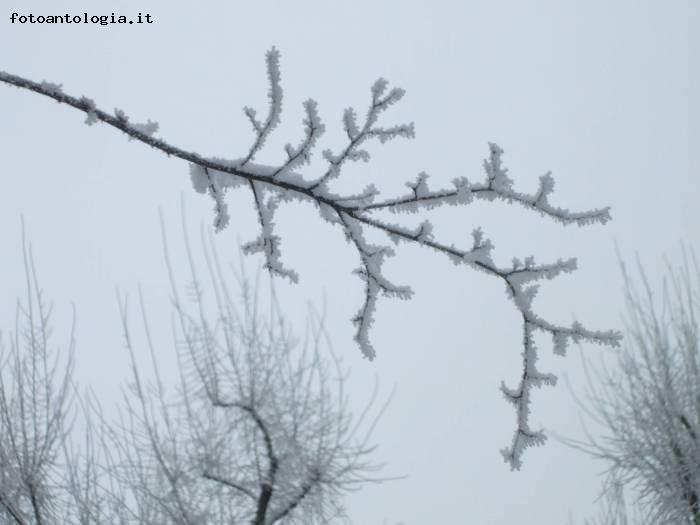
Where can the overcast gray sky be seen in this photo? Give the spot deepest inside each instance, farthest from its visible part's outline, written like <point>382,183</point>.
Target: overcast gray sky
<point>604,94</point>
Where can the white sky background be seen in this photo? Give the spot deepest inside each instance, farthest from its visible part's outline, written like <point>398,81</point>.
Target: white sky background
<point>604,94</point>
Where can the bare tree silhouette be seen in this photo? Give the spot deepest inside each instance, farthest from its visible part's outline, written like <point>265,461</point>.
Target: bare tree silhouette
<point>257,427</point>
<point>649,404</point>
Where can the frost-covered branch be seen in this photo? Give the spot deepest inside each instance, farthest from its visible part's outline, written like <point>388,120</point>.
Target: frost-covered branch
<point>263,130</point>
<point>267,242</point>
<point>294,179</point>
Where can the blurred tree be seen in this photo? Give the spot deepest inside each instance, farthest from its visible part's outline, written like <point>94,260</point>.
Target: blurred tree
<point>36,398</point>
<point>649,405</point>
<point>257,429</point>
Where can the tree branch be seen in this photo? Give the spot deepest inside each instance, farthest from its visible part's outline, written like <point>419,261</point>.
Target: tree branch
<point>228,483</point>
<point>296,501</point>
<point>14,513</point>
<point>353,212</point>
<point>35,504</point>
<point>268,484</point>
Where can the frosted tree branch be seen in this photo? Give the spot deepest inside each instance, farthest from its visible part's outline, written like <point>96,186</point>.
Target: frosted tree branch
<point>273,185</point>
<point>263,130</point>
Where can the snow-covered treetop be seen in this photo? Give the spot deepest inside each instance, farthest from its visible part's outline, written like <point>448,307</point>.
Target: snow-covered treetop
<point>355,213</point>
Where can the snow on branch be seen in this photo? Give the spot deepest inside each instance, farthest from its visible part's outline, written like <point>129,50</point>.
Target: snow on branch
<point>352,213</point>
<point>267,242</point>
<point>263,130</point>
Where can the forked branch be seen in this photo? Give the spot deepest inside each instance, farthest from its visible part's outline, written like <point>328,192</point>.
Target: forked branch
<point>273,185</point>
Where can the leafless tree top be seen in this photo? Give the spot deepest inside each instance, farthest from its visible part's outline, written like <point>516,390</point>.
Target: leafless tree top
<point>648,404</point>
